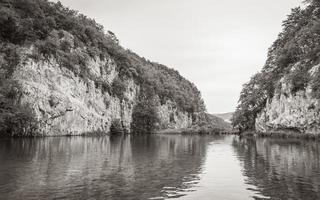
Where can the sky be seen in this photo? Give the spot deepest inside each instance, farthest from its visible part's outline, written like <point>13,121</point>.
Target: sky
<point>216,44</point>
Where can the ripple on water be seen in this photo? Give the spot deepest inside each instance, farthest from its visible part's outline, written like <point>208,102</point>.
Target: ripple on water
<point>159,167</point>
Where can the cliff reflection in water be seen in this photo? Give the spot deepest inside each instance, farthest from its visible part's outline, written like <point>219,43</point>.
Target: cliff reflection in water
<point>122,167</point>
<point>281,169</point>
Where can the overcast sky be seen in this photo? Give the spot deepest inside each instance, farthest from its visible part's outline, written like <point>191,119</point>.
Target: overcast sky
<point>217,44</point>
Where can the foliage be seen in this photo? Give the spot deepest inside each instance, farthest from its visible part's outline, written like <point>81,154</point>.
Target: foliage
<point>299,78</point>
<point>10,58</point>
<point>252,100</point>
<point>145,117</point>
<point>15,119</point>
<point>118,88</point>
<point>316,85</point>
<point>116,127</point>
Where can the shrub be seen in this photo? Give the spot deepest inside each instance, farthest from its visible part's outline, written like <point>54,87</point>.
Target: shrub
<point>15,119</point>
<point>11,57</point>
<point>315,85</point>
<point>116,127</point>
<point>118,88</point>
<point>145,117</point>
<point>299,79</point>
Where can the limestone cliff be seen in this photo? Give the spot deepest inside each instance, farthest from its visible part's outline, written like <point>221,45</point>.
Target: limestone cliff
<point>171,117</point>
<point>284,96</point>
<point>287,111</point>
<point>66,104</point>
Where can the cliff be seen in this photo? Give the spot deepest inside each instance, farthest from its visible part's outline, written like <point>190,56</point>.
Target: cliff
<point>63,103</point>
<point>284,96</point>
<point>287,111</point>
<point>62,74</point>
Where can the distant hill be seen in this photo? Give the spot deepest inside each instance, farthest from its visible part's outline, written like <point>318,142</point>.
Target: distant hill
<point>212,121</point>
<point>225,116</point>
<point>220,122</point>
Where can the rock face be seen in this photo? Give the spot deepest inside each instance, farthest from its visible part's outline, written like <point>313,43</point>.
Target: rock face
<point>171,117</point>
<point>66,104</point>
<point>288,111</point>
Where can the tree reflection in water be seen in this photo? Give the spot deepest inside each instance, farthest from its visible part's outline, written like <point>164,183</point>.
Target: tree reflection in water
<point>159,167</point>
<point>281,169</point>
<point>117,167</point>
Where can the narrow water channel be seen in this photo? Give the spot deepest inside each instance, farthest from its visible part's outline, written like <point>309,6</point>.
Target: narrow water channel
<point>159,167</point>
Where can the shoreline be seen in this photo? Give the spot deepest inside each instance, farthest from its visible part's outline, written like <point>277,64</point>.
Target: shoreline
<point>281,135</point>
<point>193,131</point>
<point>196,131</point>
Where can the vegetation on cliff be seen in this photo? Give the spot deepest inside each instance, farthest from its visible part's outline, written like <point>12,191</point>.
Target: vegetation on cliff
<point>15,119</point>
<point>50,30</point>
<point>291,57</point>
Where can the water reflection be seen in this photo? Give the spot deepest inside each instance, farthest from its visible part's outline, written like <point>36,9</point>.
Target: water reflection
<point>281,169</point>
<point>159,167</point>
<point>121,167</point>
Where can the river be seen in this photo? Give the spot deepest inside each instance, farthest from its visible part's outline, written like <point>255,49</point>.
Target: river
<point>159,167</point>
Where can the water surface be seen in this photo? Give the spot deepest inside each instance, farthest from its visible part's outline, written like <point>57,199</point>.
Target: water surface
<point>159,167</point>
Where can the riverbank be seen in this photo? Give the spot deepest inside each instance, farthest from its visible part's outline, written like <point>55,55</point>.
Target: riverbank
<point>197,131</point>
<point>281,135</point>
<point>210,131</point>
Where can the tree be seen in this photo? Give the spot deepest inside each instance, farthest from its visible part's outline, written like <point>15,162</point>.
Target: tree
<point>113,37</point>
<point>145,117</point>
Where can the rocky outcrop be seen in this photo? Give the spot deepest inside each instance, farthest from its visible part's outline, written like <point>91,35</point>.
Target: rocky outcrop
<point>66,104</point>
<point>288,111</point>
<point>171,117</point>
